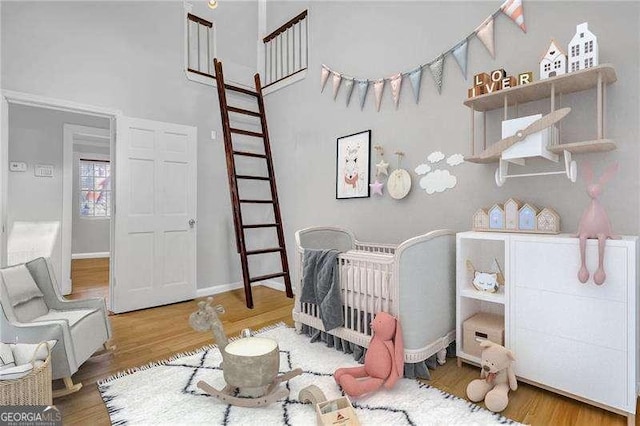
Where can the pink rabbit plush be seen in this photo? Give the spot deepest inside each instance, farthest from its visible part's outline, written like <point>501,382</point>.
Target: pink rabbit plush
<point>383,363</point>
<point>595,223</point>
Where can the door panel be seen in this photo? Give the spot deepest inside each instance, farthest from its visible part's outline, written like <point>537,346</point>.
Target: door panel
<point>155,247</point>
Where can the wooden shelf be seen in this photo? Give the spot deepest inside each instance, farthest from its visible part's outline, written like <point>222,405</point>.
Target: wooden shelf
<point>483,295</point>
<point>599,145</point>
<point>565,83</point>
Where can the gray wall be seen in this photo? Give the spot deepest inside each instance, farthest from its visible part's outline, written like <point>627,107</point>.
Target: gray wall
<point>35,137</point>
<point>90,235</point>
<point>129,55</point>
<point>377,39</point>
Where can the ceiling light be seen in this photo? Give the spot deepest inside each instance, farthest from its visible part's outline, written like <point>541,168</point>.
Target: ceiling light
<point>213,4</point>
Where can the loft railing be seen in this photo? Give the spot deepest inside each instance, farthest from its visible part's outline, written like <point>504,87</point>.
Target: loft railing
<point>286,50</point>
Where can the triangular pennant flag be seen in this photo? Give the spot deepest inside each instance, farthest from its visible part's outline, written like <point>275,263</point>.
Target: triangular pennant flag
<point>436,68</point>
<point>460,53</point>
<point>415,77</point>
<point>348,86</point>
<point>485,34</point>
<point>337,79</point>
<point>514,10</point>
<point>323,77</point>
<point>363,87</point>
<point>378,88</point>
<point>396,84</point>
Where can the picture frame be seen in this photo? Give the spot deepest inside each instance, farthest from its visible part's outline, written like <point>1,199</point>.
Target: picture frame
<point>353,165</point>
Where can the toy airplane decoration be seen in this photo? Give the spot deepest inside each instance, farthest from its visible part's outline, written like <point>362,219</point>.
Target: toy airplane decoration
<point>525,143</point>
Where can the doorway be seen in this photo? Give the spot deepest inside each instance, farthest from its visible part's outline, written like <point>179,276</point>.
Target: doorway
<point>88,207</point>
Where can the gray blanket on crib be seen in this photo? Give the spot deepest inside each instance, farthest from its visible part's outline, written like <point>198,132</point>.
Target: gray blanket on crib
<point>321,286</point>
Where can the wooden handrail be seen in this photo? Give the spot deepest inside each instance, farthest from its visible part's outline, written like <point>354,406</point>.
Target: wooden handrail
<point>285,27</point>
<point>199,20</point>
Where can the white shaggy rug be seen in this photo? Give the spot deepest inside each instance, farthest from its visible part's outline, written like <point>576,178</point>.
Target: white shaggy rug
<point>166,392</point>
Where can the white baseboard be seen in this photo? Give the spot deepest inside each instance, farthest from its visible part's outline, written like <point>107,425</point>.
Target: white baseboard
<point>97,255</point>
<point>217,289</point>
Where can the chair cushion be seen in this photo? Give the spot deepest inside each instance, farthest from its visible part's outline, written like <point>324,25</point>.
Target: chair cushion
<point>6,356</point>
<point>28,311</point>
<point>88,335</point>
<point>72,316</point>
<point>20,285</point>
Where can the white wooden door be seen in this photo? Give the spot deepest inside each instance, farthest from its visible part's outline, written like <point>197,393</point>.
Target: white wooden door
<point>155,213</point>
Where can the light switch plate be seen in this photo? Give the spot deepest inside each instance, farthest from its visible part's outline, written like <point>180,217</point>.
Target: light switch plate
<point>17,166</point>
<point>43,170</point>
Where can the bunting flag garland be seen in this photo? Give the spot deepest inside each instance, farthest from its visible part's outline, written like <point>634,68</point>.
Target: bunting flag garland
<point>363,87</point>
<point>514,10</point>
<point>378,88</point>
<point>485,34</point>
<point>436,70</point>
<point>415,77</point>
<point>396,84</point>
<point>337,79</point>
<point>348,86</point>
<point>460,54</point>
<point>323,77</point>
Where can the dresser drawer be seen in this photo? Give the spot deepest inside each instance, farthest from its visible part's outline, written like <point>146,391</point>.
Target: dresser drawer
<point>593,372</point>
<point>553,266</point>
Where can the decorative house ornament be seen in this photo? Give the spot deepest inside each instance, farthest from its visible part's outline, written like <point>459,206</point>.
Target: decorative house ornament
<point>583,49</point>
<point>514,216</point>
<point>485,32</point>
<point>553,62</point>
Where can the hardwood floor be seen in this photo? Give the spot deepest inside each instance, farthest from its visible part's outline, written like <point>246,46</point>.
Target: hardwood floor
<point>157,333</point>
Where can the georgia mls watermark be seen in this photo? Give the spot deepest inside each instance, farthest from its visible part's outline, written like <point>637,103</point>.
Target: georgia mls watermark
<point>30,415</point>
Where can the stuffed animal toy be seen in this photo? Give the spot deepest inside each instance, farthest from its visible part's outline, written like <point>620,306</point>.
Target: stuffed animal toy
<point>383,363</point>
<point>496,377</point>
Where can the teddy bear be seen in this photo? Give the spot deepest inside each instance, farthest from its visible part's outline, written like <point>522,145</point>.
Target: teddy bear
<point>383,363</point>
<point>496,377</point>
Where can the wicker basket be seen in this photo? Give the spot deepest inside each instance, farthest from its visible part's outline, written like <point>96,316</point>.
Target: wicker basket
<point>32,389</point>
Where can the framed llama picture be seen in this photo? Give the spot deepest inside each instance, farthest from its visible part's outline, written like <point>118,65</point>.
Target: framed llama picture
<point>352,165</point>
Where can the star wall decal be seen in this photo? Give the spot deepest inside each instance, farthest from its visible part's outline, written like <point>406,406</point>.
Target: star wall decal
<point>382,168</point>
<point>376,187</point>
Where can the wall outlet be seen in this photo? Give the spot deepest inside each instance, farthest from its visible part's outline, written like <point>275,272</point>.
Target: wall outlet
<point>214,135</point>
<point>43,170</point>
<point>17,166</point>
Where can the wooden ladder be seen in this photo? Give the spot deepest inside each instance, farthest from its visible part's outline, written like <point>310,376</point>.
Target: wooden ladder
<point>236,200</point>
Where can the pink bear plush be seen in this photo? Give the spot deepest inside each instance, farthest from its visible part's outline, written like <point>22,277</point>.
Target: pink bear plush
<point>383,363</point>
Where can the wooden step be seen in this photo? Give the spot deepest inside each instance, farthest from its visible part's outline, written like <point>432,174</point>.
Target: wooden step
<point>268,276</point>
<point>257,201</point>
<point>263,251</point>
<point>246,132</point>
<point>261,225</point>
<point>249,154</point>
<point>243,111</point>
<point>252,177</point>
<point>241,90</point>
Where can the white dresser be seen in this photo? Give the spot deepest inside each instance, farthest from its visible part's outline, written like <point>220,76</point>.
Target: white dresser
<point>580,340</point>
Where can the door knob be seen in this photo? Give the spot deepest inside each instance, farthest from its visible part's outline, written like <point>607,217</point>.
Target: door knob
<point>192,222</point>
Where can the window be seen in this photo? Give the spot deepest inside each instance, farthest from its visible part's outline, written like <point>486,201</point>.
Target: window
<point>575,50</point>
<point>557,64</point>
<point>588,46</point>
<point>200,46</point>
<point>95,188</point>
<point>547,67</point>
<point>575,66</point>
<point>588,63</point>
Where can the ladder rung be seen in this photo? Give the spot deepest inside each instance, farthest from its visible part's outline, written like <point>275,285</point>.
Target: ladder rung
<point>263,251</point>
<point>266,277</point>
<point>246,132</point>
<point>243,111</point>
<point>261,225</point>
<point>252,177</point>
<point>257,201</point>
<point>241,90</point>
<point>249,154</point>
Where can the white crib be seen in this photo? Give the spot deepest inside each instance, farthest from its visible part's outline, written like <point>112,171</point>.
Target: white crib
<point>414,281</point>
